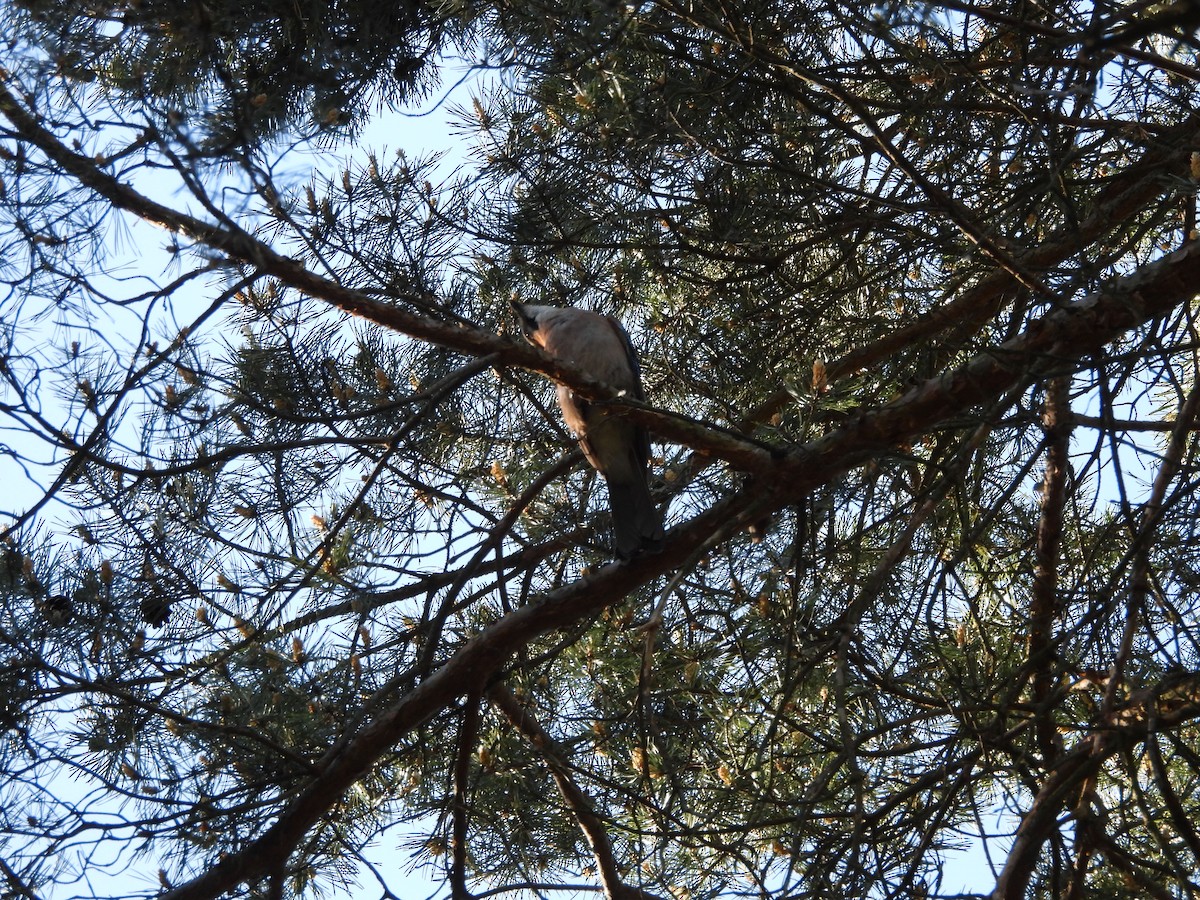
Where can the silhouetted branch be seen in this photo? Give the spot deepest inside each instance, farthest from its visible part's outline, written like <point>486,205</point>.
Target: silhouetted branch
<point>580,805</point>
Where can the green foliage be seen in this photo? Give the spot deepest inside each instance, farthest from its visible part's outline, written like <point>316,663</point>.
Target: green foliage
<point>282,589</point>
<point>232,73</point>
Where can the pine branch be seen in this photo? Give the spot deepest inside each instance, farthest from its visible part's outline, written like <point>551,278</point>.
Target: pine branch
<point>242,247</point>
<point>1044,603</point>
<point>580,805</point>
<point>1170,704</point>
<point>1138,185</point>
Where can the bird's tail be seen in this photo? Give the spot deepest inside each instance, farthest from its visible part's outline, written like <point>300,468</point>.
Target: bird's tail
<point>637,525</point>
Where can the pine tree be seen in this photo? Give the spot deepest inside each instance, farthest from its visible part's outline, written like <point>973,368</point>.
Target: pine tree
<point>299,561</point>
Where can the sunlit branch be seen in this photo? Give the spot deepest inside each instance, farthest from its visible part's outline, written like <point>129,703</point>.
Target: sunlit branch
<point>1132,189</point>
<point>1054,342</point>
<point>244,248</point>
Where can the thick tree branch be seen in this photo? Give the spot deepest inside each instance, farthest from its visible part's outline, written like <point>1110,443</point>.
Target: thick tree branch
<point>1056,342</point>
<point>248,250</point>
<point>468,733</point>
<point>1125,194</point>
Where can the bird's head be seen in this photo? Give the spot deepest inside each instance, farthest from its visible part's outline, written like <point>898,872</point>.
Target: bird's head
<point>527,319</point>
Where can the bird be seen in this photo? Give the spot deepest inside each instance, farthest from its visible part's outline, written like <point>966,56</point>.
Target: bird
<point>616,448</point>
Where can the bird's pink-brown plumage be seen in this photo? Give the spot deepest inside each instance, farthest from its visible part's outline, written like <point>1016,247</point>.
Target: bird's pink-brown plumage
<point>617,448</point>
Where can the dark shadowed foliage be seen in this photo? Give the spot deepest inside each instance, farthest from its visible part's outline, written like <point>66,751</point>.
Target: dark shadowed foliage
<point>303,581</point>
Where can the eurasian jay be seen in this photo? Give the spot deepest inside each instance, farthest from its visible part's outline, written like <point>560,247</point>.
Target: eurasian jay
<point>617,448</point>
